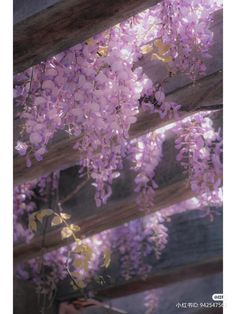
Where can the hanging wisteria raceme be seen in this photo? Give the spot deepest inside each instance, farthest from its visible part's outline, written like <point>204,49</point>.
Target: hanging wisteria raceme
<point>200,153</point>
<point>151,300</point>
<point>186,35</point>
<point>136,241</point>
<point>23,205</point>
<point>93,90</point>
<point>130,241</point>
<point>45,272</point>
<point>146,153</point>
<point>25,202</point>
<point>48,182</point>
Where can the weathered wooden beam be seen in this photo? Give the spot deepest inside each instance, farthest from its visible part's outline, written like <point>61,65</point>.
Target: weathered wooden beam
<point>205,94</point>
<point>65,23</point>
<point>194,250</point>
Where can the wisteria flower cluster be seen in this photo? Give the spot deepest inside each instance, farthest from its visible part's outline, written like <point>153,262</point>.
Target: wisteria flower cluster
<point>45,272</point>
<point>200,153</point>
<point>92,91</point>
<point>23,204</point>
<point>151,300</point>
<point>146,153</point>
<point>185,30</point>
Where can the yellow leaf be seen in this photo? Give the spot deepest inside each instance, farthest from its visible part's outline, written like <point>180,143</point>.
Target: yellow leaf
<point>81,284</point>
<point>56,221</point>
<point>66,232</point>
<point>90,41</point>
<point>103,51</point>
<point>81,263</point>
<point>43,213</point>
<point>78,241</point>
<point>155,56</point>
<point>167,59</point>
<point>78,263</point>
<point>162,48</point>
<point>74,274</point>
<point>65,216</point>
<point>79,248</point>
<point>74,228</point>
<point>88,252</point>
<point>107,258</point>
<point>32,225</point>
<point>146,49</point>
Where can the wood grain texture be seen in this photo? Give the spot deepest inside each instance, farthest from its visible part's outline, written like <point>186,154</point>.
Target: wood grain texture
<point>194,250</point>
<point>65,24</point>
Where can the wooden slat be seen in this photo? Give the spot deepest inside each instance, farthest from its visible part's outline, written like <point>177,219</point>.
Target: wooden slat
<point>206,94</point>
<point>64,24</point>
<point>194,250</point>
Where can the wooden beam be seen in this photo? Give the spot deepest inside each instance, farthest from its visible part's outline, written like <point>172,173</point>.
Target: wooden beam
<point>194,250</point>
<point>205,94</point>
<point>64,24</point>
<point>109,216</point>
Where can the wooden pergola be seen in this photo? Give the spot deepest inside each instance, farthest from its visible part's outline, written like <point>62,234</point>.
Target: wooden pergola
<point>45,28</point>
